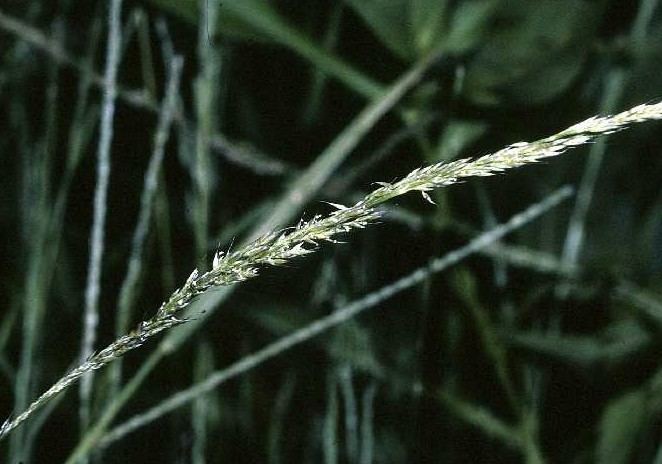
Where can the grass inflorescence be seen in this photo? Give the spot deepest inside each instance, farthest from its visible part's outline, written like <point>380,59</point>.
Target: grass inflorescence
<point>280,247</point>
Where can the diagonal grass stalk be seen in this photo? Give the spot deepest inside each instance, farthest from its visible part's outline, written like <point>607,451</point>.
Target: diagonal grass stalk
<point>349,311</point>
<point>277,248</point>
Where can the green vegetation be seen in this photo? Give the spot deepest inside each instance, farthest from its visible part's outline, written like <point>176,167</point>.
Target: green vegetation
<point>513,318</point>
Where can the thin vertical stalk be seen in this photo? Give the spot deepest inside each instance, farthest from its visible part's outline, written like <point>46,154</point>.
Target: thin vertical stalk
<point>164,235</point>
<point>278,417</point>
<point>37,183</point>
<point>319,77</point>
<point>92,289</point>
<point>202,411</point>
<point>576,227</point>
<point>128,290</point>
<point>367,427</point>
<point>351,413</point>
<point>614,88</point>
<point>330,427</point>
<point>206,104</point>
<point>44,258</point>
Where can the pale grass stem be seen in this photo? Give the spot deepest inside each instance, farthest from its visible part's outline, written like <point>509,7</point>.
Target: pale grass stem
<point>97,240</point>
<point>338,317</point>
<point>128,290</point>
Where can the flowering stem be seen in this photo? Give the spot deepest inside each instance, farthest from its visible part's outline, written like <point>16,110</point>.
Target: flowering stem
<point>279,247</point>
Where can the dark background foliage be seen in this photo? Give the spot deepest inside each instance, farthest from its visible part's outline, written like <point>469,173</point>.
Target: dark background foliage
<point>487,362</point>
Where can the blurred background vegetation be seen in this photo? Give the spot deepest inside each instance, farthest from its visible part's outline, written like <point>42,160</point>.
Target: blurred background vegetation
<point>542,349</point>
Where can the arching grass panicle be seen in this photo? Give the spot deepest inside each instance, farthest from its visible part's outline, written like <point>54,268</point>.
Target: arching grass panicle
<point>277,248</point>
